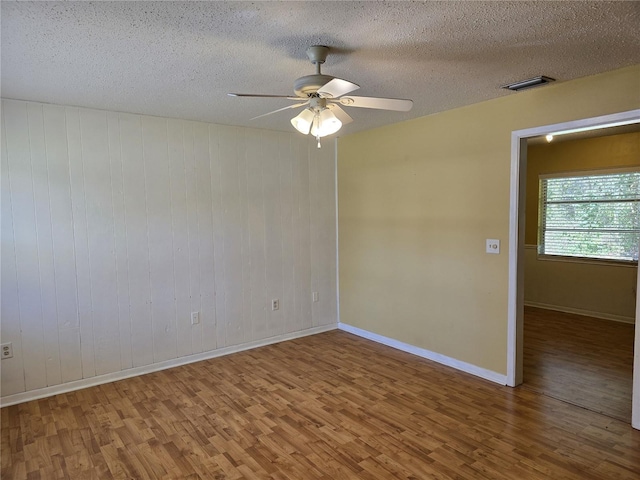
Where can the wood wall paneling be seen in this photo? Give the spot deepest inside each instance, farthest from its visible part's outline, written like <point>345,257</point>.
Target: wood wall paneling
<point>120,241</point>
<point>12,380</point>
<point>302,247</point>
<point>273,235</point>
<point>135,204</point>
<point>231,234</point>
<point>180,231</point>
<point>215,134</point>
<point>204,204</point>
<point>256,148</point>
<point>25,245</point>
<point>191,195</point>
<point>156,169</point>
<point>101,239</point>
<point>115,227</point>
<point>44,242</point>
<point>62,242</point>
<point>80,242</point>
<point>287,306</point>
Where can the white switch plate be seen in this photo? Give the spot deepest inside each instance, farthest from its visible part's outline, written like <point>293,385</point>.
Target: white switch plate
<point>195,318</point>
<point>314,296</point>
<point>493,245</point>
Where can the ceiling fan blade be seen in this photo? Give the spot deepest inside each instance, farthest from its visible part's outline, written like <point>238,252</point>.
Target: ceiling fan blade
<point>398,104</point>
<point>259,95</point>
<point>340,113</point>
<point>337,87</point>
<point>295,105</point>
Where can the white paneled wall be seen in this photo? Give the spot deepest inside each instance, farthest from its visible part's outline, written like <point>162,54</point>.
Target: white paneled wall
<point>115,227</point>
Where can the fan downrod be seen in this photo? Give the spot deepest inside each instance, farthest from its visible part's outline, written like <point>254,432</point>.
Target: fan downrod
<point>309,84</point>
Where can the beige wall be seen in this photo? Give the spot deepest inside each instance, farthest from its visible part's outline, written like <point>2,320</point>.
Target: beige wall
<point>602,290</point>
<point>417,201</point>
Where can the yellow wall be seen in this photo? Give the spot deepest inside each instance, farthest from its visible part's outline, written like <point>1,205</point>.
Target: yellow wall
<point>597,290</point>
<point>417,201</point>
<point>601,290</point>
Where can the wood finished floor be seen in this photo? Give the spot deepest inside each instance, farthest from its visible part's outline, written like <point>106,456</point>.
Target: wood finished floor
<point>330,406</point>
<point>582,360</point>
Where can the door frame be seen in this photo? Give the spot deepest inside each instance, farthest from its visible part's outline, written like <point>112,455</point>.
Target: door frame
<point>515,310</point>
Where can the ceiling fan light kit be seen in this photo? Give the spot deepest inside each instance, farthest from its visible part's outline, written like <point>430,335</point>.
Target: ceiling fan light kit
<point>303,121</point>
<point>325,123</point>
<point>318,120</point>
<point>322,96</point>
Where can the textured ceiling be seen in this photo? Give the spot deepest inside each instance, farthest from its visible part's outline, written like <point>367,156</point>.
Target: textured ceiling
<point>179,59</point>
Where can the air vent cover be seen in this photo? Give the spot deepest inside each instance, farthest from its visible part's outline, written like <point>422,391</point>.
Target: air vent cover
<point>530,83</point>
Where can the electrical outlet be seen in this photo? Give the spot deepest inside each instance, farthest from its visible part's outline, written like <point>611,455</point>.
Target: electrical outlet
<point>195,318</point>
<point>275,304</point>
<point>314,296</point>
<point>7,350</point>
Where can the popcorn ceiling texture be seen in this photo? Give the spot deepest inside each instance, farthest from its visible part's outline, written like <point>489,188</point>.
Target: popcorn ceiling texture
<point>179,59</point>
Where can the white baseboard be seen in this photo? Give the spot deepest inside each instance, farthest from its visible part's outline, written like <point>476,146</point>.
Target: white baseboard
<point>429,355</point>
<point>579,311</point>
<point>155,367</point>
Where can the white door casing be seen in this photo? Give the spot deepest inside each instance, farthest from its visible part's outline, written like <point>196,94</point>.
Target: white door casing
<point>516,250</point>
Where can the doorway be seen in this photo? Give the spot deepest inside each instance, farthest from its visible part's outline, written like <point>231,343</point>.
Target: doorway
<point>516,248</point>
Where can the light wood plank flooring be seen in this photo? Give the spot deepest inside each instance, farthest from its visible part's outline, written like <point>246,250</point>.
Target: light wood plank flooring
<point>332,406</point>
<point>582,360</point>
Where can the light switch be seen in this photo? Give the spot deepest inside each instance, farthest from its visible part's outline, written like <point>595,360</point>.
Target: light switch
<point>493,245</point>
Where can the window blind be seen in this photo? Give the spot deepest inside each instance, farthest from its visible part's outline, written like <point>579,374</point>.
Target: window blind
<point>590,215</point>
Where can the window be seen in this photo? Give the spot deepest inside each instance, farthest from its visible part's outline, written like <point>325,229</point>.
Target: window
<point>590,215</point>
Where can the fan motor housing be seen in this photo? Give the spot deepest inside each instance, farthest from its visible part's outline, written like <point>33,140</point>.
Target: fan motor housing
<point>304,86</point>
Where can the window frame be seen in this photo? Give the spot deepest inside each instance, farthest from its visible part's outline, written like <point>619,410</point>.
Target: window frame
<point>542,217</point>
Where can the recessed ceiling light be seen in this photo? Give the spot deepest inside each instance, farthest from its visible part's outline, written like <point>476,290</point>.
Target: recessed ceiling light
<point>530,83</point>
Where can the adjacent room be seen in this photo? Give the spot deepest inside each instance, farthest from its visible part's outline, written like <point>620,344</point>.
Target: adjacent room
<point>580,296</point>
<point>300,240</point>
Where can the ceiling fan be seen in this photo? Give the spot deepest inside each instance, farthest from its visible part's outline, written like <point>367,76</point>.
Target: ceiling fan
<point>324,96</point>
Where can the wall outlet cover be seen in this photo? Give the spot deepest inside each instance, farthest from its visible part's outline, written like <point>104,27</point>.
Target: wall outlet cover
<point>6,350</point>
